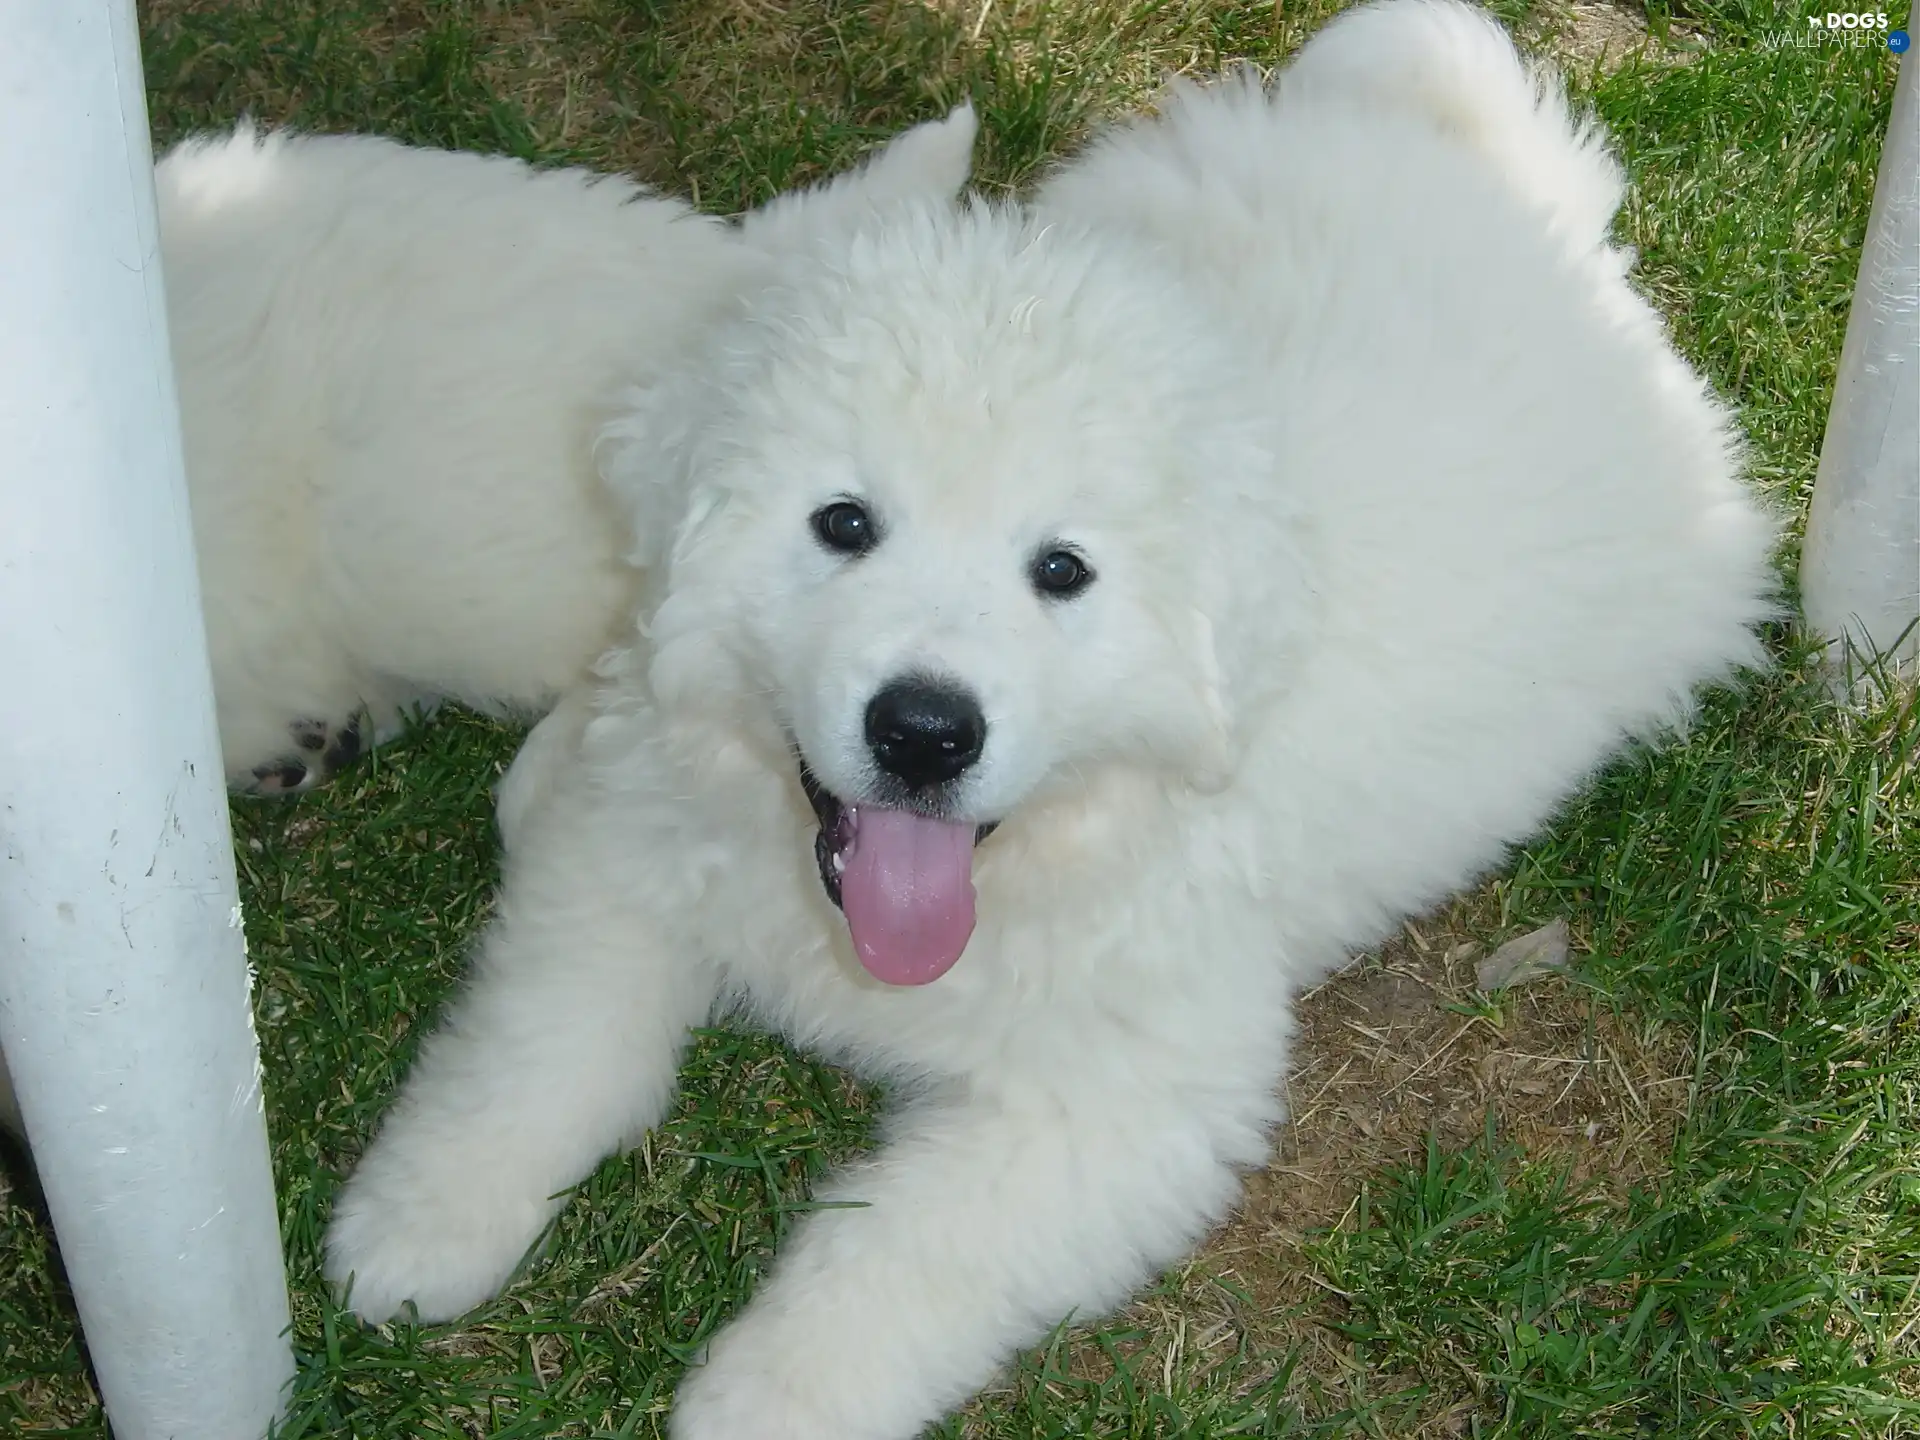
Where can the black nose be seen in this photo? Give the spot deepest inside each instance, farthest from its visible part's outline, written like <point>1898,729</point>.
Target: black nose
<point>924,732</point>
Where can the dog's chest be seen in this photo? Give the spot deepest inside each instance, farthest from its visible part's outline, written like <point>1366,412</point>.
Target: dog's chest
<point>1032,980</point>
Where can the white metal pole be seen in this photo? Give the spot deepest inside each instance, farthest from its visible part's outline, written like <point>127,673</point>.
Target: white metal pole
<point>1860,566</point>
<point>124,1007</point>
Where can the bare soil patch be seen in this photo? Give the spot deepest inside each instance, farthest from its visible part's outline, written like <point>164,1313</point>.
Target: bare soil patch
<point>1400,1046</point>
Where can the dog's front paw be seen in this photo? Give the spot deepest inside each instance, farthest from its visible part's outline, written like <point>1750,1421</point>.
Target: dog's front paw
<point>445,1241</point>
<point>791,1377</point>
<point>732,1402</point>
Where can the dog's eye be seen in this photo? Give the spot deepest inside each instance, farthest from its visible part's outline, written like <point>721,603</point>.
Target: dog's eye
<point>846,527</point>
<point>1061,574</point>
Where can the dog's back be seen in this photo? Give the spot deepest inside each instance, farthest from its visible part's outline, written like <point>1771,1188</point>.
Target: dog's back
<point>392,362</point>
<point>1453,69</point>
<point>1523,509</point>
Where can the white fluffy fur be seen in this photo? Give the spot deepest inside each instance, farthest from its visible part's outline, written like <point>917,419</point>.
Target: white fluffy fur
<point>392,365</point>
<point>1405,517</point>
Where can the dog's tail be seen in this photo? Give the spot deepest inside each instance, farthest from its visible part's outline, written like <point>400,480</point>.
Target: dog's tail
<point>1453,66</point>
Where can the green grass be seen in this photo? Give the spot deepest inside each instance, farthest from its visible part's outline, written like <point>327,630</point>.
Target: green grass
<point>1757,887</point>
<point>1758,883</point>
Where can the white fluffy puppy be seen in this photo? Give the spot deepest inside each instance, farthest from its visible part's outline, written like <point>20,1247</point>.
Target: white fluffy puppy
<point>1085,626</point>
<point>392,365</point>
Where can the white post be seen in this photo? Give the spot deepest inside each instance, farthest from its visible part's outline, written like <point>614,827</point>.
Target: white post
<point>1860,567</point>
<point>123,977</point>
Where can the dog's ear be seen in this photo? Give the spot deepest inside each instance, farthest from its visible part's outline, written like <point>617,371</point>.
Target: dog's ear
<point>1215,750</point>
<point>693,669</point>
<point>1251,599</point>
<point>929,163</point>
<point>649,459</point>
<point>932,161</point>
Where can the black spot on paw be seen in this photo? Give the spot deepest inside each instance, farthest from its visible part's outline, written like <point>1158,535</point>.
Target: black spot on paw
<point>281,777</point>
<point>344,750</point>
<point>329,748</point>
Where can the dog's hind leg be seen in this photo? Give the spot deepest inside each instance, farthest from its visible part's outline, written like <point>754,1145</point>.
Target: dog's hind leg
<point>281,738</point>
<point>324,749</point>
<point>293,711</point>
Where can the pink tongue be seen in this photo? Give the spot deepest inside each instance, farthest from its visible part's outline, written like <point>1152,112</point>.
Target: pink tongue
<point>907,893</point>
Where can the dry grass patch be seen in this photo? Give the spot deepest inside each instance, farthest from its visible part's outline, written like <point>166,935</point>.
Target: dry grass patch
<point>1596,36</point>
<point>1591,34</point>
<point>528,55</point>
<point>1403,1045</point>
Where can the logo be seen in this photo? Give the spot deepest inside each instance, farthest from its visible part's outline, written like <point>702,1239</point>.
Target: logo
<point>1850,29</point>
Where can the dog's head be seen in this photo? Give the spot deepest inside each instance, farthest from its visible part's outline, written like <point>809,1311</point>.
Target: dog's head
<point>976,509</point>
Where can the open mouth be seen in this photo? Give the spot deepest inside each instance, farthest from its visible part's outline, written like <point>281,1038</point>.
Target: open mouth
<point>903,880</point>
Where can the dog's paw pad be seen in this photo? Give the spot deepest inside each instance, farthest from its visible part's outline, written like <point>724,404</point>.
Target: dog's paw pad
<point>342,748</point>
<point>324,749</point>
<point>281,777</point>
